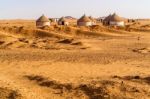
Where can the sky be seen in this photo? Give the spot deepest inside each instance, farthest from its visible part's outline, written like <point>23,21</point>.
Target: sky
<point>31,9</point>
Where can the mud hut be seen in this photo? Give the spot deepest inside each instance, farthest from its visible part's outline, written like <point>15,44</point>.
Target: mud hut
<point>84,21</point>
<point>107,20</point>
<point>42,21</point>
<point>63,21</point>
<point>115,20</point>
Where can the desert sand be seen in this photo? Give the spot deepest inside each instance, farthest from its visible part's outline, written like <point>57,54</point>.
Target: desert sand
<point>73,63</point>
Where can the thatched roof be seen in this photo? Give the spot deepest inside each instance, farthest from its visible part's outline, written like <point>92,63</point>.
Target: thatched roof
<point>43,19</point>
<point>84,18</point>
<point>70,18</point>
<point>116,18</point>
<point>91,18</point>
<point>63,19</point>
<point>108,18</point>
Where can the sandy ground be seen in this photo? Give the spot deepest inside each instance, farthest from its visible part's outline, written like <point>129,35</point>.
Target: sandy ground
<point>115,67</point>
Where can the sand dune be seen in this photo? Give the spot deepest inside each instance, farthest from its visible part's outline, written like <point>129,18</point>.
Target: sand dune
<point>73,63</point>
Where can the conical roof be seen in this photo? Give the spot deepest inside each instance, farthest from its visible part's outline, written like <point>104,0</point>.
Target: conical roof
<point>108,18</point>
<point>84,18</point>
<point>43,19</point>
<point>62,19</point>
<point>116,18</point>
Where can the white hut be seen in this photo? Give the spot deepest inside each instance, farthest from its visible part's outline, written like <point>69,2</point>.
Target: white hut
<point>84,21</point>
<point>63,21</point>
<point>115,20</point>
<point>42,21</point>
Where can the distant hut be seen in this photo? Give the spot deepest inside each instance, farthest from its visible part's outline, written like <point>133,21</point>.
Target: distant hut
<point>63,21</point>
<point>93,20</point>
<point>106,21</point>
<point>42,21</point>
<point>84,21</point>
<point>115,20</point>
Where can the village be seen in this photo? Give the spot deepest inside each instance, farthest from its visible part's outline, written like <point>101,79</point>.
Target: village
<point>69,58</point>
<point>50,49</point>
<point>111,20</point>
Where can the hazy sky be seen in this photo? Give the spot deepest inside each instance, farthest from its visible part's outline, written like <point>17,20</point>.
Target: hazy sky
<point>21,9</point>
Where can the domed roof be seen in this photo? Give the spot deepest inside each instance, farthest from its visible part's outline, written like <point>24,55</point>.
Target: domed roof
<point>84,18</point>
<point>116,18</point>
<point>43,19</point>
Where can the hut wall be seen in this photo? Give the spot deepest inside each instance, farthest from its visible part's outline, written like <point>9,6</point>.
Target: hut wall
<point>84,23</point>
<point>117,23</point>
<point>93,23</point>
<point>63,23</point>
<point>41,24</point>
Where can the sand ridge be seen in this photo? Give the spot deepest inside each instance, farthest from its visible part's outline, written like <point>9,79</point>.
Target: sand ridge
<point>73,63</point>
